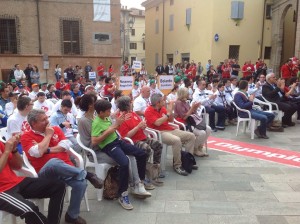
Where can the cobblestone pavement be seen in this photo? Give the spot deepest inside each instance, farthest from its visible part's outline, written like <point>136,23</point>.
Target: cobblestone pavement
<point>226,189</point>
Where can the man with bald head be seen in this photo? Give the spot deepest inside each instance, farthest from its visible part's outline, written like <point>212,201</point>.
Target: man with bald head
<point>273,91</point>
<point>142,101</point>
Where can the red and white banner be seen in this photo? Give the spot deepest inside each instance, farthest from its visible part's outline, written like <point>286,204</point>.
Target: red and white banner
<point>281,156</point>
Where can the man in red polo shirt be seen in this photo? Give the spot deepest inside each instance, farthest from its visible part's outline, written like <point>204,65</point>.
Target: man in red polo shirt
<point>14,190</point>
<point>157,117</point>
<point>100,69</point>
<point>47,149</point>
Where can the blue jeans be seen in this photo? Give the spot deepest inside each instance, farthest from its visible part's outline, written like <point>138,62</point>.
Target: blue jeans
<point>72,176</point>
<point>265,119</point>
<point>118,150</point>
<point>221,115</point>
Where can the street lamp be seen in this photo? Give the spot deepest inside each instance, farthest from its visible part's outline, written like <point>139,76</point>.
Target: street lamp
<point>124,30</point>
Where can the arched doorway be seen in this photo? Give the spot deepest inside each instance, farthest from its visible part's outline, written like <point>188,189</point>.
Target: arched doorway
<point>288,30</point>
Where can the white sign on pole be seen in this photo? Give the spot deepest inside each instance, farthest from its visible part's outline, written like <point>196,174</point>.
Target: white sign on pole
<point>46,65</point>
<point>125,83</point>
<point>137,66</point>
<point>92,75</point>
<point>166,82</point>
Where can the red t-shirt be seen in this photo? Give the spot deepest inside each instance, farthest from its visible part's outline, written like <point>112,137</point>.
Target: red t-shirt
<point>29,139</point>
<point>285,71</point>
<point>100,70</point>
<point>129,124</point>
<point>151,115</point>
<point>247,72</point>
<point>61,87</point>
<point>106,92</point>
<point>8,178</point>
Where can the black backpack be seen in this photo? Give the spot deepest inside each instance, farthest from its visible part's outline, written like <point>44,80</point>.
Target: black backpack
<point>188,160</point>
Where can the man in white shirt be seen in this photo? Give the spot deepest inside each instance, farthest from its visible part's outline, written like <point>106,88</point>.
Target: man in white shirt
<point>207,98</point>
<point>17,122</point>
<point>66,96</point>
<point>135,91</point>
<point>44,88</point>
<point>142,101</point>
<point>19,74</point>
<point>35,91</point>
<point>43,104</point>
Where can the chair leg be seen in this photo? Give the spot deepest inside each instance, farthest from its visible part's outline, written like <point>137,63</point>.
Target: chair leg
<point>237,128</point>
<point>252,128</point>
<point>163,158</point>
<point>244,126</point>
<point>86,200</point>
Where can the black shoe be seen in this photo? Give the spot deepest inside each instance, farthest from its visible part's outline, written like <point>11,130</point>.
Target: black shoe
<point>95,181</point>
<point>222,128</point>
<point>214,130</point>
<point>291,124</point>
<point>256,132</point>
<point>180,171</point>
<point>264,137</point>
<point>78,220</point>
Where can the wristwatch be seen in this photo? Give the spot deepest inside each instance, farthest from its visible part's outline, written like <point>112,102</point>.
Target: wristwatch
<point>167,115</point>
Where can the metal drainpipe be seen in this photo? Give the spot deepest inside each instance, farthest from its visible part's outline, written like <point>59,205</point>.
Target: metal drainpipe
<point>38,23</point>
<point>163,35</point>
<point>263,30</point>
<point>297,11</point>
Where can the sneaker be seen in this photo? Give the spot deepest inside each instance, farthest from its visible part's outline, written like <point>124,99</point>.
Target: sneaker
<point>275,129</point>
<point>148,185</point>
<point>222,128</point>
<point>95,181</point>
<point>139,191</point>
<point>124,201</point>
<point>180,171</point>
<point>199,154</point>
<point>214,130</point>
<point>78,220</point>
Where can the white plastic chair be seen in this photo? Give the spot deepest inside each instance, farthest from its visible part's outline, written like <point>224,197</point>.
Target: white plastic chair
<point>252,122</point>
<point>165,146</point>
<point>79,163</point>
<point>278,113</point>
<point>100,168</point>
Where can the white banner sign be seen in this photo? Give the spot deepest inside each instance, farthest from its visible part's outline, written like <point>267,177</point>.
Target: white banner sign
<point>137,66</point>
<point>102,10</point>
<point>125,83</point>
<point>166,82</point>
<point>92,75</point>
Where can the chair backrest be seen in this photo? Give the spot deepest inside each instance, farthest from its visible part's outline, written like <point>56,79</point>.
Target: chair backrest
<point>28,169</point>
<point>242,110</point>
<point>88,162</point>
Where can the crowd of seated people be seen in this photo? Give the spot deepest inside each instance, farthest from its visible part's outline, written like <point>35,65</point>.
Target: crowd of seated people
<point>47,117</point>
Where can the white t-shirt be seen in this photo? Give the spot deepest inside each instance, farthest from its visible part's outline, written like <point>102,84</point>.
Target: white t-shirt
<point>32,95</point>
<point>140,104</point>
<point>172,97</point>
<point>46,106</point>
<point>16,123</point>
<point>9,108</point>
<point>135,93</point>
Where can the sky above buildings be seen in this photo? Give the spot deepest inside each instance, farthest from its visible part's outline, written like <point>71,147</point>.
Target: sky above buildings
<point>132,3</point>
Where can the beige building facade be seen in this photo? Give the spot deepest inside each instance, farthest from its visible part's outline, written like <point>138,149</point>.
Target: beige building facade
<point>199,30</point>
<point>137,36</point>
<point>60,32</point>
